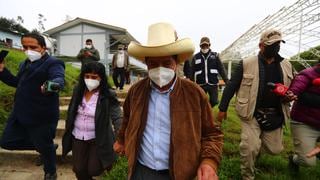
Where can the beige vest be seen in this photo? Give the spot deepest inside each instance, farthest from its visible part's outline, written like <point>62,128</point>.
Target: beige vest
<point>248,91</point>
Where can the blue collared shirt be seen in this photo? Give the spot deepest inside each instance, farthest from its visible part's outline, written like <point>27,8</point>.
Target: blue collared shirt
<point>155,144</point>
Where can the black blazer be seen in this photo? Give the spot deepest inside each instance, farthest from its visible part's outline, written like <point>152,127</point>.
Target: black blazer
<point>31,106</point>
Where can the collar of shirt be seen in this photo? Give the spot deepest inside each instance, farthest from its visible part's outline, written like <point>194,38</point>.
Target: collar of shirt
<point>154,88</point>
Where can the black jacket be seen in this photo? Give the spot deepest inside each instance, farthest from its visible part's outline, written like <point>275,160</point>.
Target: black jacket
<point>205,70</point>
<point>108,109</point>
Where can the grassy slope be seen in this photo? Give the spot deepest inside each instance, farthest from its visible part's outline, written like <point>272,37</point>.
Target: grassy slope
<point>268,167</point>
<point>6,92</point>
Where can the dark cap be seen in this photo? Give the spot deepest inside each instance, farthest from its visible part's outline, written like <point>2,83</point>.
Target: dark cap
<point>205,40</point>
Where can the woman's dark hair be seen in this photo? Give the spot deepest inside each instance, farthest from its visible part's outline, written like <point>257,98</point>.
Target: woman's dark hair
<point>38,37</point>
<point>96,68</point>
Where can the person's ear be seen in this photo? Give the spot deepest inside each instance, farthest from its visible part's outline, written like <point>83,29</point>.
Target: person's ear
<point>261,46</point>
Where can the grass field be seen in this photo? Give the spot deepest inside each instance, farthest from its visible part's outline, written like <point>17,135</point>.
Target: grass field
<point>268,167</point>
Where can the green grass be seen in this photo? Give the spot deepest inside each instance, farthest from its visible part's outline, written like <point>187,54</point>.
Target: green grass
<point>7,93</point>
<point>268,167</point>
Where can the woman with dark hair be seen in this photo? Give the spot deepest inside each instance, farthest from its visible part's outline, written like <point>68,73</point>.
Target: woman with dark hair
<point>89,134</point>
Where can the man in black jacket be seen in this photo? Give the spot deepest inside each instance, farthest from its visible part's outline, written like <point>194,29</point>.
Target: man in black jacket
<point>33,121</point>
<point>206,65</point>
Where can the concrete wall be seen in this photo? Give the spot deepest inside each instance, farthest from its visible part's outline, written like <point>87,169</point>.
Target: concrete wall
<point>71,40</point>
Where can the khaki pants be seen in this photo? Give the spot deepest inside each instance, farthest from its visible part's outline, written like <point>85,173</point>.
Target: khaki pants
<point>254,140</point>
<point>304,140</point>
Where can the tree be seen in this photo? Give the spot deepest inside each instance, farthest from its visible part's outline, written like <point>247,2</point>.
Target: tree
<point>311,54</point>
<point>67,18</point>
<point>41,20</point>
<point>20,20</point>
<point>12,25</point>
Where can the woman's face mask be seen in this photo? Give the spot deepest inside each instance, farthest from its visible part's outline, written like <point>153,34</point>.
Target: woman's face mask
<point>92,84</point>
<point>92,81</point>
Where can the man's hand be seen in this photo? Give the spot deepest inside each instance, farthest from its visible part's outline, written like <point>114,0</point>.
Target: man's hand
<point>290,97</point>
<point>206,172</point>
<point>221,116</point>
<point>87,53</point>
<point>313,152</point>
<point>1,67</point>
<point>118,148</point>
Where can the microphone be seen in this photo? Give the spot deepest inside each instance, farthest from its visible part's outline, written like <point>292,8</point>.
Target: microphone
<point>278,88</point>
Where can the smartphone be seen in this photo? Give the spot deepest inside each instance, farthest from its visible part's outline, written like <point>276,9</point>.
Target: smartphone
<point>3,54</point>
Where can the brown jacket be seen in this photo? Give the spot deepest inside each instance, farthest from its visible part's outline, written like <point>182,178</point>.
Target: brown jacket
<point>194,137</point>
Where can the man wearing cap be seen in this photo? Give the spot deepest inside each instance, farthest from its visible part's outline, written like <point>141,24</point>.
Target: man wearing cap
<point>120,63</point>
<point>261,111</point>
<point>206,65</point>
<point>168,129</point>
<point>89,53</point>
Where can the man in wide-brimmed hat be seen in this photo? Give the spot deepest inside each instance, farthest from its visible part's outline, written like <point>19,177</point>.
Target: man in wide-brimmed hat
<point>168,130</point>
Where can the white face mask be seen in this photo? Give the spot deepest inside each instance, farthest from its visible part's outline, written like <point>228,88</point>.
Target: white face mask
<point>91,84</point>
<point>204,51</point>
<point>161,75</point>
<point>33,55</point>
<point>88,46</point>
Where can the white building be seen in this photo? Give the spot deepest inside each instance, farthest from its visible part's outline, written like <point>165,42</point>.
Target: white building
<point>71,36</point>
<point>10,38</point>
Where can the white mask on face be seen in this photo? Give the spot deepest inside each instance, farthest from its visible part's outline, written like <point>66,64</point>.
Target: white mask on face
<point>161,75</point>
<point>91,84</point>
<point>88,46</point>
<point>204,51</point>
<point>33,55</point>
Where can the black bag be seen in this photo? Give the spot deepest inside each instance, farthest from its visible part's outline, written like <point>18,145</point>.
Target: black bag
<point>269,118</point>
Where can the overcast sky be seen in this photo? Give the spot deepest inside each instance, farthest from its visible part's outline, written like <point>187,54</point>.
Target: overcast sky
<point>223,21</point>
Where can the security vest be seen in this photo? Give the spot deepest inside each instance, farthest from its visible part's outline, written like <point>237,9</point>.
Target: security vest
<point>247,94</point>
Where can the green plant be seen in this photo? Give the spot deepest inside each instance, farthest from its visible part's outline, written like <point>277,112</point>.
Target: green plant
<point>119,170</point>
